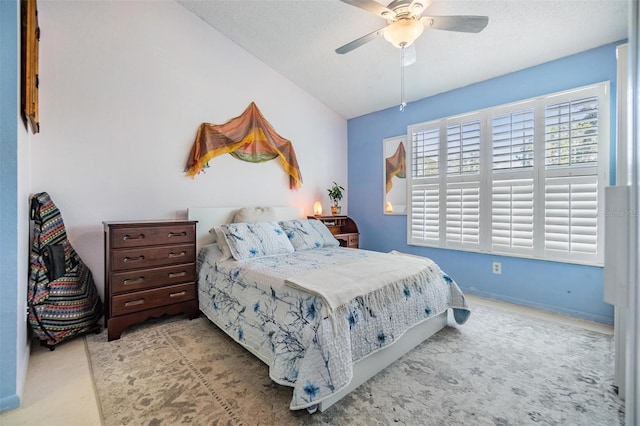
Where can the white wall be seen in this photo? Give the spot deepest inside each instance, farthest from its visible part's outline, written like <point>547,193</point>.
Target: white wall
<point>123,89</point>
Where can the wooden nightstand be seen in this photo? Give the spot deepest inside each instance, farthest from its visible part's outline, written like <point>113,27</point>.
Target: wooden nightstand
<point>343,228</point>
<point>150,271</point>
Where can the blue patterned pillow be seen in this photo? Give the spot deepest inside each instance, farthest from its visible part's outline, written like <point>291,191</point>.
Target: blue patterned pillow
<point>259,239</point>
<point>306,234</point>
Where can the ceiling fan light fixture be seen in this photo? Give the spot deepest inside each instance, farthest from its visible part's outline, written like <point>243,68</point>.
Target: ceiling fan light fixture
<point>403,32</point>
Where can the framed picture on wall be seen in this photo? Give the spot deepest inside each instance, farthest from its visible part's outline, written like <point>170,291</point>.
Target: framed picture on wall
<point>29,64</point>
<point>394,175</point>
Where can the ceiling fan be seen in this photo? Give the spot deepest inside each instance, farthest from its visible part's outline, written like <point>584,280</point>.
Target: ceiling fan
<point>405,22</point>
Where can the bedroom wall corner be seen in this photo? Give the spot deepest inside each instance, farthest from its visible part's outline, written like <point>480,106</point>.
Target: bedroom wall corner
<point>123,89</point>
<point>575,290</point>
<point>14,192</point>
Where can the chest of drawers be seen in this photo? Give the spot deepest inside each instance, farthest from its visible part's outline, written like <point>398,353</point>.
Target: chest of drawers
<point>150,271</point>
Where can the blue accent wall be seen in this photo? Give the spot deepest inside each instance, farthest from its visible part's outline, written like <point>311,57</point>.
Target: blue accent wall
<point>8,204</point>
<point>574,290</point>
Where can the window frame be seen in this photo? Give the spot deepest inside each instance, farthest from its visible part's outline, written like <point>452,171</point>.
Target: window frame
<point>539,173</point>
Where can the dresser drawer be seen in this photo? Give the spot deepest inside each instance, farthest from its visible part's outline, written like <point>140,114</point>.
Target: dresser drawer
<point>154,277</point>
<point>151,235</point>
<point>348,240</point>
<point>124,259</point>
<point>147,299</point>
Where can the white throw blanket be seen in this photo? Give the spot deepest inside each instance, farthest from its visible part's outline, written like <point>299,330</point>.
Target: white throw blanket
<point>377,277</point>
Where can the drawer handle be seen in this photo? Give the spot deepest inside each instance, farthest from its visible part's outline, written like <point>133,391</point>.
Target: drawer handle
<point>177,234</point>
<point>136,237</point>
<point>181,254</point>
<point>181,293</point>
<point>133,281</point>
<point>177,274</point>
<point>134,302</point>
<point>128,259</point>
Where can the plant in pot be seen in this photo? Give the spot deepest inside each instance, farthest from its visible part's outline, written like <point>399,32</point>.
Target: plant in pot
<point>335,194</point>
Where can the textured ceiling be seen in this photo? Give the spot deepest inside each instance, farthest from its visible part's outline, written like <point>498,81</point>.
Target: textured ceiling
<point>297,38</point>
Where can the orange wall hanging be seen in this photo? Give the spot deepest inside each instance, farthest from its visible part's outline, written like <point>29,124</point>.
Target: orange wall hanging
<point>248,137</point>
<point>396,165</point>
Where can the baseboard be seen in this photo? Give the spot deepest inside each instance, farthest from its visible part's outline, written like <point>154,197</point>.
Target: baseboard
<point>21,374</point>
<point>9,403</point>
<point>541,306</point>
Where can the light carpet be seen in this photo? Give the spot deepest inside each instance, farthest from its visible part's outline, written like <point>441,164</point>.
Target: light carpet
<point>498,369</point>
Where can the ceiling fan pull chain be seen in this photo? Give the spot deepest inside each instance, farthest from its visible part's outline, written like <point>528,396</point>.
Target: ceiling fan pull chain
<point>403,103</point>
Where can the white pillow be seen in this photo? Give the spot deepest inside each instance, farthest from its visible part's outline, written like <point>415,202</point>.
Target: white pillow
<point>306,234</point>
<point>255,214</point>
<point>252,240</point>
<point>214,235</point>
<point>222,243</point>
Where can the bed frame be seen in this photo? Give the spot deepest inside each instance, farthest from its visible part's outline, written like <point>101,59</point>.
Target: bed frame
<point>363,370</point>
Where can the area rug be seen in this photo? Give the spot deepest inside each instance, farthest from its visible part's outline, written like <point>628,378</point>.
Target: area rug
<point>499,368</point>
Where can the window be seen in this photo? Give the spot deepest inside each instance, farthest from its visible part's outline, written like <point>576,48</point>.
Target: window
<point>512,178</point>
<point>425,193</point>
<point>512,138</point>
<point>524,179</point>
<point>462,182</point>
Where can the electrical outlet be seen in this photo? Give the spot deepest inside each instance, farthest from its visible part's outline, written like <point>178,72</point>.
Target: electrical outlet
<point>497,268</point>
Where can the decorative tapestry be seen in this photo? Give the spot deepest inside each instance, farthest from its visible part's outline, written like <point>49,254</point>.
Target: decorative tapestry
<point>248,137</point>
<point>395,166</point>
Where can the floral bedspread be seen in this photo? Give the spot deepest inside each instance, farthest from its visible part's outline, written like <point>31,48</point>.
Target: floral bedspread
<point>292,330</point>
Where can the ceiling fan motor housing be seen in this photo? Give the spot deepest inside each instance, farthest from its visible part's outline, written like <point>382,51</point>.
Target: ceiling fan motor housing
<point>404,27</point>
<point>405,9</point>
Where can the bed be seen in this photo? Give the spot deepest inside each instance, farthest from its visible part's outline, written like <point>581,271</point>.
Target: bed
<point>276,300</point>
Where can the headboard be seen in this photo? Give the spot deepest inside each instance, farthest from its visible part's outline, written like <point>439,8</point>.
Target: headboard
<point>208,217</point>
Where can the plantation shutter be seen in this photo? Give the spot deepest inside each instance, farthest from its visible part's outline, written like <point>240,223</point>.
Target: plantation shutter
<point>425,217</point>
<point>463,148</point>
<point>463,214</point>
<point>524,179</point>
<point>512,189</point>
<point>571,134</point>
<point>571,202</point>
<point>513,139</point>
<point>462,195</point>
<point>512,216</point>
<point>424,214</point>
<point>571,217</point>
<point>425,153</point>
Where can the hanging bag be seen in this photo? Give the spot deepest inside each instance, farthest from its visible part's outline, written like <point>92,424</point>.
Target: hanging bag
<point>62,297</point>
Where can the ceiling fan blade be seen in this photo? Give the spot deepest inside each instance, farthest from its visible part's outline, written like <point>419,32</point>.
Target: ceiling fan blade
<point>464,24</point>
<point>373,7</point>
<point>359,42</point>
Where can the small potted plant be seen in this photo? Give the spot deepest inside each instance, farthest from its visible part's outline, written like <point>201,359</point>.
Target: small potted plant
<point>335,194</point>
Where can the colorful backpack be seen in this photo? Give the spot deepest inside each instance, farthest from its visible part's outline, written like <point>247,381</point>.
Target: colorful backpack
<point>62,296</point>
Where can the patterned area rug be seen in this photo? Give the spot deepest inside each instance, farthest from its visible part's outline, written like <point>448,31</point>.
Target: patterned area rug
<point>497,369</point>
